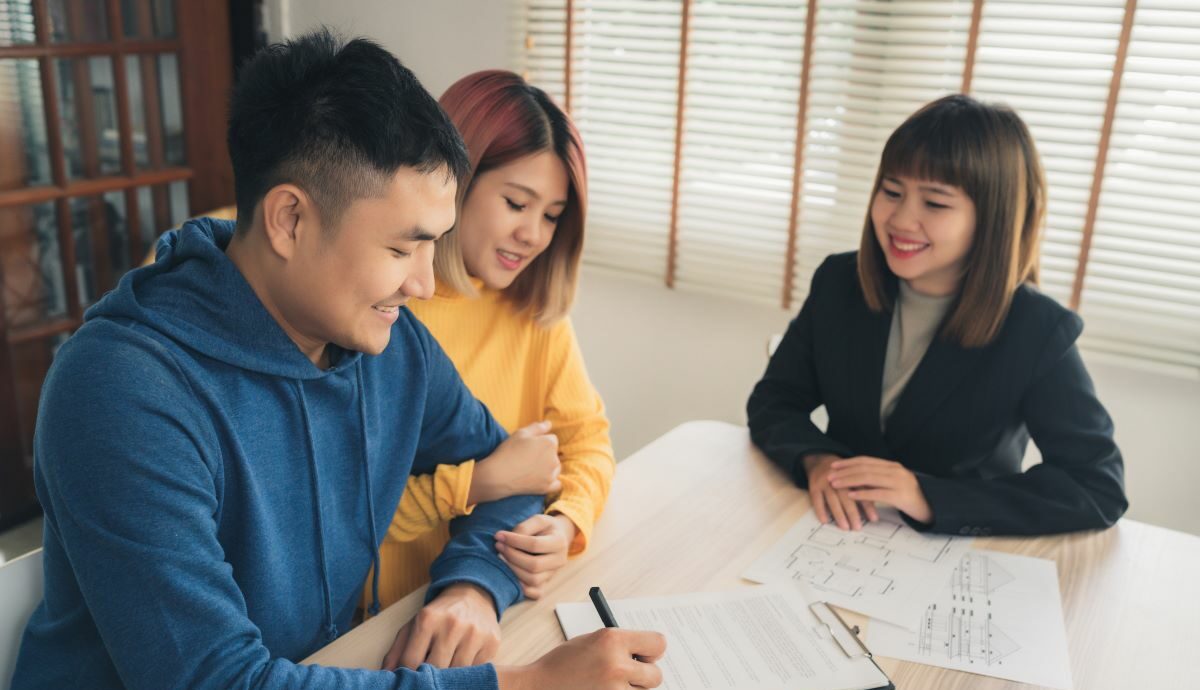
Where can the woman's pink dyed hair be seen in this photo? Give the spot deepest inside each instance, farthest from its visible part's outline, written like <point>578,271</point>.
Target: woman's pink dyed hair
<point>502,118</point>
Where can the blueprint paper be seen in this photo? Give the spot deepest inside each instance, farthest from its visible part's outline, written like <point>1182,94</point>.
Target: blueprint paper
<point>887,571</point>
<point>999,615</point>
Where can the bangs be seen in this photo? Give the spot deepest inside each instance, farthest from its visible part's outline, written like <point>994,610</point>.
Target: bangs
<point>938,146</point>
<point>988,153</point>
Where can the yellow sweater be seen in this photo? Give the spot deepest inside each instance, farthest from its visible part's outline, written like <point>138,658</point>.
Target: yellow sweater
<point>524,373</point>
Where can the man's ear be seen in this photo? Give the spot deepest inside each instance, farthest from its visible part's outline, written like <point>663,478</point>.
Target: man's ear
<point>286,210</point>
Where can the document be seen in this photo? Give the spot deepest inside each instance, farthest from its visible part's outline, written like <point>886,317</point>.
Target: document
<point>756,638</point>
<point>998,615</point>
<point>887,571</point>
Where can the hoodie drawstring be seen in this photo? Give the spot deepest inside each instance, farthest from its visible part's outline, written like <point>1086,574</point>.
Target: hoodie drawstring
<point>362,426</point>
<point>330,629</point>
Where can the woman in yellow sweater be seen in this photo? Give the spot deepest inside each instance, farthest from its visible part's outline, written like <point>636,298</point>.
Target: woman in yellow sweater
<point>506,279</point>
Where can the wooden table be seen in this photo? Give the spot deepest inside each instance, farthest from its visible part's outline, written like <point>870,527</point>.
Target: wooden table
<point>691,510</point>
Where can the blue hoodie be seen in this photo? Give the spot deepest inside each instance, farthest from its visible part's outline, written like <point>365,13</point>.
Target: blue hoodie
<point>214,501</point>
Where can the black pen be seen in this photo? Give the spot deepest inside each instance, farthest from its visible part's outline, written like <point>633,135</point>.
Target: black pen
<point>601,604</point>
<point>606,614</point>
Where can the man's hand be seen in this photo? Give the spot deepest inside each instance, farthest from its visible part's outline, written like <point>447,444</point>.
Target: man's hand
<point>873,479</point>
<point>602,660</point>
<point>458,628</point>
<point>525,464</point>
<point>831,502</point>
<point>536,549</point>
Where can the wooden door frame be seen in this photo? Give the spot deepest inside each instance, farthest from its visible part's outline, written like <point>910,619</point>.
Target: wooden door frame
<point>203,47</point>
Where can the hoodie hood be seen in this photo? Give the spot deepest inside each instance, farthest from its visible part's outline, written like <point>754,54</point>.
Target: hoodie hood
<point>194,294</point>
<point>201,299</point>
<point>181,430</point>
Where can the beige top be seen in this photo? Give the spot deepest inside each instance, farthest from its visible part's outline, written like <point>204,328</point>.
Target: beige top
<point>915,321</point>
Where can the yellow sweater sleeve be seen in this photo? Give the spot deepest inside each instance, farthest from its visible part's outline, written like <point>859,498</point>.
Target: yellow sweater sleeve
<point>431,499</point>
<point>576,413</point>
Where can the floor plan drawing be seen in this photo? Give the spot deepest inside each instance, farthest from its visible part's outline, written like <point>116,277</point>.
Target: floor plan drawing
<point>886,570</point>
<point>997,615</point>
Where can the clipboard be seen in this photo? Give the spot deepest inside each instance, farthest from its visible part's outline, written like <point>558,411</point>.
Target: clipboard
<point>846,638</point>
<point>732,631</point>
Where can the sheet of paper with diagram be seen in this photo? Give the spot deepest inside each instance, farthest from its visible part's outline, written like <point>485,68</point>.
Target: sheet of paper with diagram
<point>997,615</point>
<point>887,571</point>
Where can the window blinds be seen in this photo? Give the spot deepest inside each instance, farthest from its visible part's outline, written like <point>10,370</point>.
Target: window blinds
<point>1053,62</point>
<point>1141,293</point>
<point>874,63</point>
<point>749,223</point>
<point>741,97</point>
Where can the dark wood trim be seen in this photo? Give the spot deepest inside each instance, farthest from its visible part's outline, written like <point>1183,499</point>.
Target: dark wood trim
<point>152,102</point>
<point>685,26</point>
<point>151,99</point>
<point>972,46</point>
<point>1110,113</point>
<point>125,47</point>
<point>206,60</point>
<point>58,165</point>
<point>121,83</point>
<point>98,234</point>
<point>85,117</point>
<point>41,23</point>
<point>206,73</point>
<point>16,483</point>
<point>50,105</point>
<point>99,185</point>
<point>145,23</point>
<point>133,225</point>
<point>66,248</point>
<point>162,208</point>
<point>789,266</point>
<point>116,27</point>
<point>44,329</point>
<point>89,144</point>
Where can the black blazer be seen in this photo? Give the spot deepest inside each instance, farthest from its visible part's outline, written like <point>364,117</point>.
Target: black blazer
<point>962,422</point>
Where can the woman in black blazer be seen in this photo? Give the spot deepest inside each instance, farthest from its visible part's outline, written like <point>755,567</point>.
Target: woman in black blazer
<point>937,426</point>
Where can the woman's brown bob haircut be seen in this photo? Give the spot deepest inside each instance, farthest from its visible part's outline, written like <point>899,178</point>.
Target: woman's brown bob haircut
<point>501,119</point>
<point>987,151</point>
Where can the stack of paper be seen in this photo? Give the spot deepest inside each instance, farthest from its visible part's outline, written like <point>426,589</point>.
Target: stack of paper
<point>757,638</point>
<point>932,598</point>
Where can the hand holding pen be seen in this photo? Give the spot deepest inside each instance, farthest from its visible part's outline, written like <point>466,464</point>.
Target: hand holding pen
<point>608,659</point>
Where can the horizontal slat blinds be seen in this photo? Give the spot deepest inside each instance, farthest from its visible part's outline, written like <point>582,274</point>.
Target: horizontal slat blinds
<point>1141,293</point>
<point>542,52</point>
<point>873,62</point>
<point>625,73</point>
<point>1053,62</point>
<point>740,112</point>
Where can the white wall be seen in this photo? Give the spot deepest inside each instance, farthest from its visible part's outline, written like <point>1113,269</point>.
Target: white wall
<point>439,40</point>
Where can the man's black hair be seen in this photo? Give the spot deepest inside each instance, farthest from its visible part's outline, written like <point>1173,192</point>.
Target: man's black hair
<point>335,118</point>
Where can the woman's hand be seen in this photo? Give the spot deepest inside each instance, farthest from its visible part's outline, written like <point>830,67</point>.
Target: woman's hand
<point>525,464</point>
<point>536,549</point>
<point>867,479</point>
<point>833,503</point>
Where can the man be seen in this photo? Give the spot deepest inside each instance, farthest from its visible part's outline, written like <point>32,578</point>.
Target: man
<point>222,444</point>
